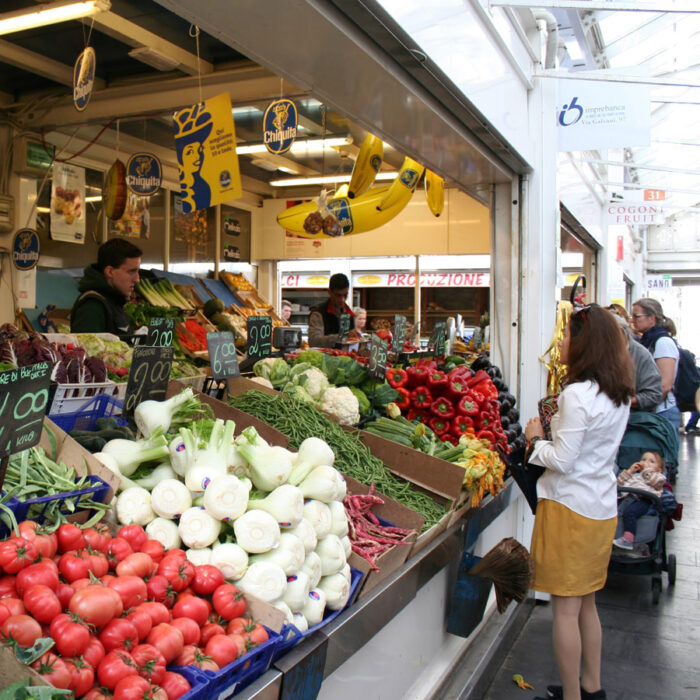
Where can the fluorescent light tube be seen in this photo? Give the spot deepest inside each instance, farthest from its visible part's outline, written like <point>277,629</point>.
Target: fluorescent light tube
<point>300,146</point>
<point>50,13</point>
<point>322,180</point>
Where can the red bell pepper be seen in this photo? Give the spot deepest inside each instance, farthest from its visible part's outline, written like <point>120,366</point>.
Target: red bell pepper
<point>437,382</point>
<point>477,397</point>
<point>467,407</point>
<point>448,437</point>
<point>403,400</point>
<point>417,376</point>
<point>421,397</point>
<point>456,388</point>
<point>442,408</point>
<point>428,364</point>
<point>396,377</point>
<point>484,420</point>
<point>486,435</point>
<point>460,371</point>
<point>461,425</point>
<point>440,426</point>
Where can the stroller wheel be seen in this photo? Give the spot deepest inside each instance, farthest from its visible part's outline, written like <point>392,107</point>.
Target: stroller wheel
<point>671,568</point>
<point>655,590</point>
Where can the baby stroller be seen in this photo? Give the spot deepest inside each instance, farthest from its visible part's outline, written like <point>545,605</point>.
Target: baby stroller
<point>646,431</point>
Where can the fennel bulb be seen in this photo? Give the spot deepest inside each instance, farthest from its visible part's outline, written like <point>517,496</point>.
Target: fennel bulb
<point>108,461</point>
<point>313,452</point>
<point>312,568</point>
<point>339,518</point>
<point>162,471</point>
<point>153,416</point>
<point>332,553</point>
<point>337,590</point>
<point>211,461</point>
<point>226,497</point>
<point>319,515</point>
<point>264,580</point>
<point>165,531</point>
<point>129,454</point>
<point>236,464</point>
<point>197,528</point>
<point>314,607</point>
<point>134,507</point>
<point>268,467</point>
<point>347,546</point>
<point>289,555</point>
<point>256,531</point>
<point>323,483</point>
<point>170,498</point>
<point>199,557</point>
<point>306,533</point>
<point>300,622</point>
<point>347,572</point>
<point>283,607</point>
<point>285,504</point>
<point>298,587</point>
<point>230,559</point>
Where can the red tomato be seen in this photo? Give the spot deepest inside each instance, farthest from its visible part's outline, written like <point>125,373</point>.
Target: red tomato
<point>240,625</point>
<point>174,685</point>
<point>257,635</point>
<point>54,670</point>
<point>82,675</point>
<point>99,541</point>
<point>119,634</point>
<point>150,663</point>
<point>42,573</point>
<point>160,590</point>
<point>167,639</point>
<point>196,609</point>
<point>135,535</point>
<point>207,579</point>
<point>64,593</point>
<point>157,611</point>
<point>96,693</point>
<point>136,564</point>
<point>179,572</point>
<point>22,629</point>
<point>131,589</point>
<point>73,565</point>
<point>209,630</point>
<point>118,549</point>
<point>94,653</point>
<point>228,601</point>
<point>240,642</point>
<point>97,563</point>
<point>72,638</point>
<point>193,656</point>
<point>190,629</point>
<point>70,537</point>
<point>16,554</point>
<point>46,543</point>
<point>223,649</point>
<point>7,587</point>
<point>42,603</point>
<point>95,604</point>
<point>154,549</point>
<point>115,666</point>
<point>11,606</point>
<point>137,688</point>
<point>176,553</point>
<point>142,621</point>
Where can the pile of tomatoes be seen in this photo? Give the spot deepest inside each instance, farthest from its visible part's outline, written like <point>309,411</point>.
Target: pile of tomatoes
<point>119,609</point>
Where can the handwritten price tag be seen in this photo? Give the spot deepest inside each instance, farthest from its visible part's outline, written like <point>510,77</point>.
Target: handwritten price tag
<point>437,339</point>
<point>399,333</point>
<point>222,355</point>
<point>378,355</point>
<point>149,376</point>
<point>344,322</point>
<point>160,331</point>
<point>259,337</point>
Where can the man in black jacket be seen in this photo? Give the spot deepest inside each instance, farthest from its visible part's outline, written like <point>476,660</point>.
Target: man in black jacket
<point>324,321</point>
<point>104,289</point>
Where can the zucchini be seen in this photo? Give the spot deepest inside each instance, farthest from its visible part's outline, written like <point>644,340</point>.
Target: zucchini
<point>91,443</point>
<point>106,423</point>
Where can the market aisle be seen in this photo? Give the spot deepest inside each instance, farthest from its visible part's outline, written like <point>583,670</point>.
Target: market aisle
<point>650,652</point>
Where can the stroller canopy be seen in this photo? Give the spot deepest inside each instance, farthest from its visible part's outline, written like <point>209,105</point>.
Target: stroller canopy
<point>648,431</point>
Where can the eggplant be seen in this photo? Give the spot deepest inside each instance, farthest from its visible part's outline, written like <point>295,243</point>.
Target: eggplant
<point>510,398</point>
<point>491,371</point>
<point>481,362</point>
<point>501,396</point>
<point>517,427</point>
<point>497,372</point>
<point>520,441</point>
<point>504,422</point>
<point>513,415</point>
<point>510,435</point>
<point>500,384</point>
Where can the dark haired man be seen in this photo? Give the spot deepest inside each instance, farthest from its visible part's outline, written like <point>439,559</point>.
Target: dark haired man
<point>104,289</point>
<point>324,320</point>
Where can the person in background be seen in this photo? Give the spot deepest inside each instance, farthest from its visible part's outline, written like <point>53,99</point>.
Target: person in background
<point>286,310</point>
<point>576,514</point>
<point>104,289</point>
<point>649,320</point>
<point>324,320</point>
<point>360,319</point>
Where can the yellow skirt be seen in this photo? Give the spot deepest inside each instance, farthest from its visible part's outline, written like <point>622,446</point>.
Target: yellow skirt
<point>570,552</point>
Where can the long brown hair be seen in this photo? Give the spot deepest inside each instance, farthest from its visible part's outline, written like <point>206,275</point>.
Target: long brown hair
<point>598,351</point>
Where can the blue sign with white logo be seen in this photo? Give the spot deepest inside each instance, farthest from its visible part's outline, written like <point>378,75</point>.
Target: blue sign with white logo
<point>225,178</point>
<point>340,208</point>
<point>409,178</point>
<point>144,174</point>
<point>84,78</point>
<point>26,249</point>
<point>280,126</point>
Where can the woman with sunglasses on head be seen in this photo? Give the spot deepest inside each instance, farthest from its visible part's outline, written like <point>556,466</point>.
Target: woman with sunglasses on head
<point>648,319</point>
<point>577,494</point>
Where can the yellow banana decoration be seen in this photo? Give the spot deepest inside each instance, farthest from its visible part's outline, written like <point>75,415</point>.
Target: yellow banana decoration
<point>342,191</point>
<point>367,165</point>
<point>434,192</point>
<point>401,190</point>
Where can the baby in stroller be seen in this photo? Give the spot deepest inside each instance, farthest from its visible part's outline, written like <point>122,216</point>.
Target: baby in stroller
<point>646,475</point>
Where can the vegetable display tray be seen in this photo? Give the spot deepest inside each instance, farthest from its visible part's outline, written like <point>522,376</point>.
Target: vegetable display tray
<point>71,502</point>
<point>198,681</point>
<point>86,417</point>
<point>68,398</point>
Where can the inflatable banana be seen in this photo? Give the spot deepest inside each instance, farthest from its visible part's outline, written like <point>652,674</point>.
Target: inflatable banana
<point>401,190</point>
<point>367,165</point>
<point>434,192</point>
<point>342,191</point>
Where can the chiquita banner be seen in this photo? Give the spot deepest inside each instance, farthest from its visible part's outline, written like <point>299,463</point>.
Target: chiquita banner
<point>205,142</point>
<point>592,114</point>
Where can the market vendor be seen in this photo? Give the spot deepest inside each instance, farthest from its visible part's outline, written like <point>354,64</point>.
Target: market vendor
<point>104,289</point>
<point>324,321</point>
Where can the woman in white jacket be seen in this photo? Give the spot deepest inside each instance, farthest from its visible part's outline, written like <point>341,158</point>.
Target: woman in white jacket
<point>577,495</point>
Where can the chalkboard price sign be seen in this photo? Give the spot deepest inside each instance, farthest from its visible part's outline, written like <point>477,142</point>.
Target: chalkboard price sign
<point>160,332</point>
<point>24,395</point>
<point>344,323</point>
<point>259,337</point>
<point>149,376</point>
<point>378,355</point>
<point>437,339</point>
<point>222,355</point>
<point>399,333</point>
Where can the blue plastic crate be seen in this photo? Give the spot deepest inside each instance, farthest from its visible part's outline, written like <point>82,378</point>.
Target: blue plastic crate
<point>97,492</point>
<point>197,679</point>
<point>85,418</point>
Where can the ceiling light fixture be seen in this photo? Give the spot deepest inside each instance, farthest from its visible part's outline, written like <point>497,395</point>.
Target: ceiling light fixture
<point>50,13</point>
<point>322,180</point>
<point>300,145</point>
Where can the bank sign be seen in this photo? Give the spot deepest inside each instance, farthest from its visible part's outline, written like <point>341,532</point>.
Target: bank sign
<point>592,114</point>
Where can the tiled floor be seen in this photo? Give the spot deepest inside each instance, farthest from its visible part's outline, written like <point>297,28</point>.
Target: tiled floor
<point>650,652</point>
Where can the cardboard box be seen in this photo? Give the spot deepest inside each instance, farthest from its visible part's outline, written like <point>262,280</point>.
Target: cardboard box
<point>393,558</point>
<point>425,538</point>
<point>239,385</point>
<point>13,670</point>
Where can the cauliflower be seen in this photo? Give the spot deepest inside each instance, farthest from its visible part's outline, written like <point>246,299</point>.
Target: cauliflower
<point>262,381</point>
<point>314,381</point>
<point>341,405</point>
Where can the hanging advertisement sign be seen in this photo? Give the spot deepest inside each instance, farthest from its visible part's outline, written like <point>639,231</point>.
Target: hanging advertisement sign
<point>633,214</point>
<point>144,174</point>
<point>84,78</point>
<point>595,115</point>
<point>280,126</point>
<point>67,203</point>
<point>205,142</point>
<point>26,249</point>
<point>135,222</point>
